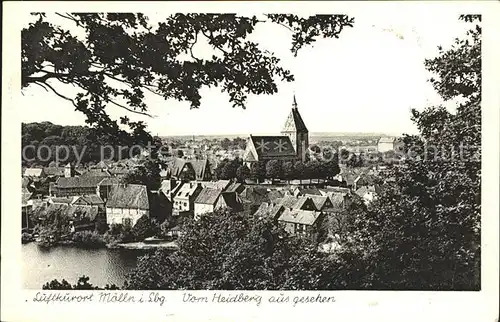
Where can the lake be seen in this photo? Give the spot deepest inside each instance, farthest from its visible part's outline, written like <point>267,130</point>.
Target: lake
<point>103,266</point>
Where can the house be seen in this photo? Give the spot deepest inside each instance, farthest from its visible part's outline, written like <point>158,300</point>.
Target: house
<point>297,203</point>
<point>183,200</point>
<point>104,187</point>
<point>235,187</point>
<point>219,184</point>
<point>189,169</point>
<point>304,223</point>
<point>126,204</point>
<point>89,200</point>
<point>54,172</point>
<point>80,217</point>
<point>229,200</point>
<point>206,201</point>
<point>34,173</point>
<point>327,190</point>
<point>96,173</point>
<point>169,188</point>
<point>75,186</point>
<point>302,191</point>
<point>386,144</point>
<point>269,210</point>
<point>321,203</point>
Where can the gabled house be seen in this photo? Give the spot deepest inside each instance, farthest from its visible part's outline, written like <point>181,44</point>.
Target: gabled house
<point>206,201</point>
<point>75,186</point>
<point>321,203</point>
<point>302,191</point>
<point>126,204</point>
<point>297,203</point>
<point>183,200</point>
<point>270,210</point>
<point>34,173</point>
<point>305,223</point>
<point>189,169</point>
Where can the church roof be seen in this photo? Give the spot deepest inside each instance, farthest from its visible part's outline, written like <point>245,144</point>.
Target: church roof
<point>273,146</point>
<point>294,122</point>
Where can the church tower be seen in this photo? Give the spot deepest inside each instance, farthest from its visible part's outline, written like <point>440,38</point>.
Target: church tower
<point>296,130</point>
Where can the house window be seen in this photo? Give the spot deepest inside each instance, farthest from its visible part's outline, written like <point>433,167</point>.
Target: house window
<point>185,204</point>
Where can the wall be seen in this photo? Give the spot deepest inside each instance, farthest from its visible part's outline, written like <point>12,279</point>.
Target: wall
<point>200,209</point>
<point>116,215</point>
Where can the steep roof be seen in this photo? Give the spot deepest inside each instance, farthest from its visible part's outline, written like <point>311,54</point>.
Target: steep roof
<point>319,201</point>
<point>54,171</point>
<point>271,146</point>
<point>305,217</point>
<point>294,122</point>
<point>186,189</point>
<point>78,182</point>
<point>200,167</point>
<point>109,181</point>
<point>92,199</point>
<point>232,201</point>
<point>134,196</point>
<point>235,187</point>
<point>208,196</point>
<point>309,191</point>
<point>95,173</point>
<point>220,184</point>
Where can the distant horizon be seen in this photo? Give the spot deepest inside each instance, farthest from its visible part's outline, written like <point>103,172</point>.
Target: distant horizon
<point>314,134</point>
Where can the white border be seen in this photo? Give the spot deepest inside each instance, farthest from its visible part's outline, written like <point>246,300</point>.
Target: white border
<point>350,305</point>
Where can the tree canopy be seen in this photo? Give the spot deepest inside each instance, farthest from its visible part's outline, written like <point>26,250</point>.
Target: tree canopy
<point>423,232</point>
<point>116,58</point>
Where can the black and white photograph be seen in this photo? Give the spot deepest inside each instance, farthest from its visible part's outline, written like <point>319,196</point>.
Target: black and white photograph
<point>259,151</point>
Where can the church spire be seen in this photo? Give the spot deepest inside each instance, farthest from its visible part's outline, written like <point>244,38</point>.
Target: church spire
<point>294,101</point>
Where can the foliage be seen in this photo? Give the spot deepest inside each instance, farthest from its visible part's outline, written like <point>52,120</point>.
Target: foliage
<point>88,239</point>
<point>147,174</point>
<point>258,171</point>
<point>82,284</point>
<point>122,56</point>
<point>83,143</point>
<point>273,169</point>
<point>423,232</point>
<point>227,169</point>
<point>242,173</point>
<point>236,252</point>
<point>145,227</point>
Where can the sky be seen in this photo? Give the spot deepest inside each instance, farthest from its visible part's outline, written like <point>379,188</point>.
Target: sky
<point>365,81</point>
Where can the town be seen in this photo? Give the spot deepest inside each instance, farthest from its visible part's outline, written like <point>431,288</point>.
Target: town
<point>301,186</point>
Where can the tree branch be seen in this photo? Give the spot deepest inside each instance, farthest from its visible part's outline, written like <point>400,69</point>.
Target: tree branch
<point>60,95</point>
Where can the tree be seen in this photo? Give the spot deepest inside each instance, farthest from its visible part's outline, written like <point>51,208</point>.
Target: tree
<point>147,174</point>
<point>230,169</point>
<point>258,170</point>
<point>428,222</point>
<point>273,169</point>
<point>82,284</point>
<point>300,170</point>
<point>230,251</point>
<point>180,153</point>
<point>242,173</point>
<point>288,170</point>
<point>187,173</point>
<point>121,57</point>
<point>145,227</point>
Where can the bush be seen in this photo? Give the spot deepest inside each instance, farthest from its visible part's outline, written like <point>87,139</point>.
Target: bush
<point>89,239</point>
<point>145,227</point>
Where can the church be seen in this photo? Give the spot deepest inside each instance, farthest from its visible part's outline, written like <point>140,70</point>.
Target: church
<point>291,145</point>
